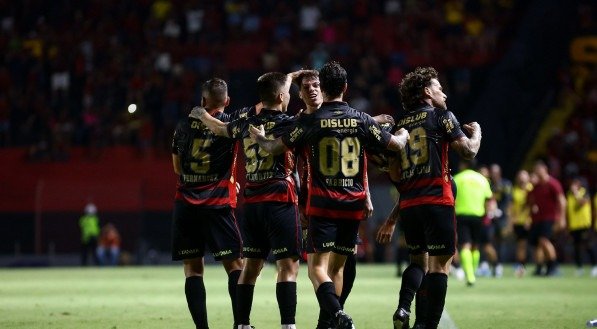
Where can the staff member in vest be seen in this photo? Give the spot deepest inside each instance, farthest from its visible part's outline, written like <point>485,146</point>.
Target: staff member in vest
<point>578,209</point>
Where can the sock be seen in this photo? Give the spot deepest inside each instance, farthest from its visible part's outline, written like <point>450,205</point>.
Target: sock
<point>232,283</point>
<point>327,298</point>
<point>592,257</point>
<point>286,295</point>
<point>411,281</point>
<point>244,301</point>
<point>437,286</point>
<point>194,290</point>
<point>421,303</point>
<point>324,321</point>
<point>476,258</point>
<point>350,273</point>
<point>466,258</point>
<point>538,269</point>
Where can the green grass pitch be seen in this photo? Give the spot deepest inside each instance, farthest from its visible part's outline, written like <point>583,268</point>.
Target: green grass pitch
<point>153,297</point>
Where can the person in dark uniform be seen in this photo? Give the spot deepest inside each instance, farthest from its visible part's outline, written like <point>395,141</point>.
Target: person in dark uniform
<point>426,204</point>
<point>336,137</point>
<point>205,201</point>
<point>271,198</point>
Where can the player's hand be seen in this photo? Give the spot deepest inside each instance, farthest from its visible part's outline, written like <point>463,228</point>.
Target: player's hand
<point>472,127</point>
<point>384,118</point>
<point>197,112</point>
<point>403,137</point>
<point>368,208</point>
<point>386,231</point>
<point>256,132</point>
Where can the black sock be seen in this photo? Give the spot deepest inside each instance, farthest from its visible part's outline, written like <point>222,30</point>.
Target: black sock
<point>411,281</point>
<point>286,295</point>
<point>327,298</point>
<point>244,301</point>
<point>437,286</point>
<point>194,290</point>
<point>232,283</point>
<point>592,257</point>
<point>350,273</point>
<point>421,303</point>
<point>325,320</point>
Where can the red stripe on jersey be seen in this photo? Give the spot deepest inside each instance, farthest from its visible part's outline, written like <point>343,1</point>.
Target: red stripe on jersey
<point>289,195</point>
<point>336,214</point>
<point>439,200</point>
<point>213,201</point>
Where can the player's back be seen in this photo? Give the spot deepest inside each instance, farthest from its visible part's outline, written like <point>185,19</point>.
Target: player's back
<point>424,175</point>
<point>335,137</point>
<point>208,162</point>
<point>269,177</point>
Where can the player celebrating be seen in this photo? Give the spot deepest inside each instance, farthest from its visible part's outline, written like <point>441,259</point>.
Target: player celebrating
<point>336,136</point>
<point>205,201</point>
<point>426,203</point>
<point>271,197</point>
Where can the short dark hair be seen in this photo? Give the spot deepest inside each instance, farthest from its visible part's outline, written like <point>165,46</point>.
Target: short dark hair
<point>332,78</point>
<point>305,75</point>
<point>270,85</point>
<point>411,87</point>
<point>215,92</point>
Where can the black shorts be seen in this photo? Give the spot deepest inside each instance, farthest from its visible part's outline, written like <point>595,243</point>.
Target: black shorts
<point>271,226</point>
<point>580,236</point>
<point>543,229</point>
<point>195,227</point>
<point>469,229</point>
<point>429,228</point>
<point>337,235</point>
<point>521,232</point>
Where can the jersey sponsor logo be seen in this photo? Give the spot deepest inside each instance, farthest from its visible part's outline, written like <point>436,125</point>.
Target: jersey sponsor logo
<point>329,244</point>
<point>279,251</point>
<point>413,118</point>
<point>345,249</point>
<point>376,132</point>
<point>448,125</point>
<point>188,251</point>
<point>413,246</point>
<point>295,133</point>
<point>222,253</point>
<point>200,126</point>
<point>436,246</point>
<point>338,123</point>
<point>251,249</point>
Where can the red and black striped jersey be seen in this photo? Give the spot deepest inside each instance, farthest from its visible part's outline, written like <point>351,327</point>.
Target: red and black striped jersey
<point>270,178</point>
<point>208,162</point>
<point>424,175</point>
<point>335,138</point>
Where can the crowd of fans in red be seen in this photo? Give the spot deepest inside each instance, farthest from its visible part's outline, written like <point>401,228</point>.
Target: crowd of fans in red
<point>69,69</point>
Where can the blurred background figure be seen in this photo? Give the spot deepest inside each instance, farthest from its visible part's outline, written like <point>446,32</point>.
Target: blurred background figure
<point>548,213</point>
<point>499,229</point>
<point>108,251</point>
<point>90,230</point>
<point>472,202</point>
<point>578,209</point>
<point>520,219</point>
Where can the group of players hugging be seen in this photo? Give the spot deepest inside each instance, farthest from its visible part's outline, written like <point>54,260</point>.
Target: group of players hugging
<point>306,191</point>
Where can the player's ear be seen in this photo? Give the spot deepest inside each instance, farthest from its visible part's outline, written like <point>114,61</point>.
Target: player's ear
<point>427,91</point>
<point>345,88</point>
<point>203,102</point>
<point>227,102</point>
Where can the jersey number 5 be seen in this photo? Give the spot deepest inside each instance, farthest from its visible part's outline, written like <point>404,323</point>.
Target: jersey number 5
<point>339,155</point>
<point>417,149</point>
<point>200,163</point>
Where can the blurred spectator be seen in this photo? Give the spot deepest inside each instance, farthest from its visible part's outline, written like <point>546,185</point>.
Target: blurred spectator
<point>578,209</point>
<point>90,230</point>
<point>108,250</point>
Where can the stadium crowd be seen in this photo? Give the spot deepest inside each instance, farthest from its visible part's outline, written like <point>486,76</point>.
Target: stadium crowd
<point>71,68</point>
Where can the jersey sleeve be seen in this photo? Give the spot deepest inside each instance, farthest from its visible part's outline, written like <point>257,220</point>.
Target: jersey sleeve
<point>236,127</point>
<point>450,126</point>
<point>180,137</point>
<point>376,138</point>
<point>295,136</point>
